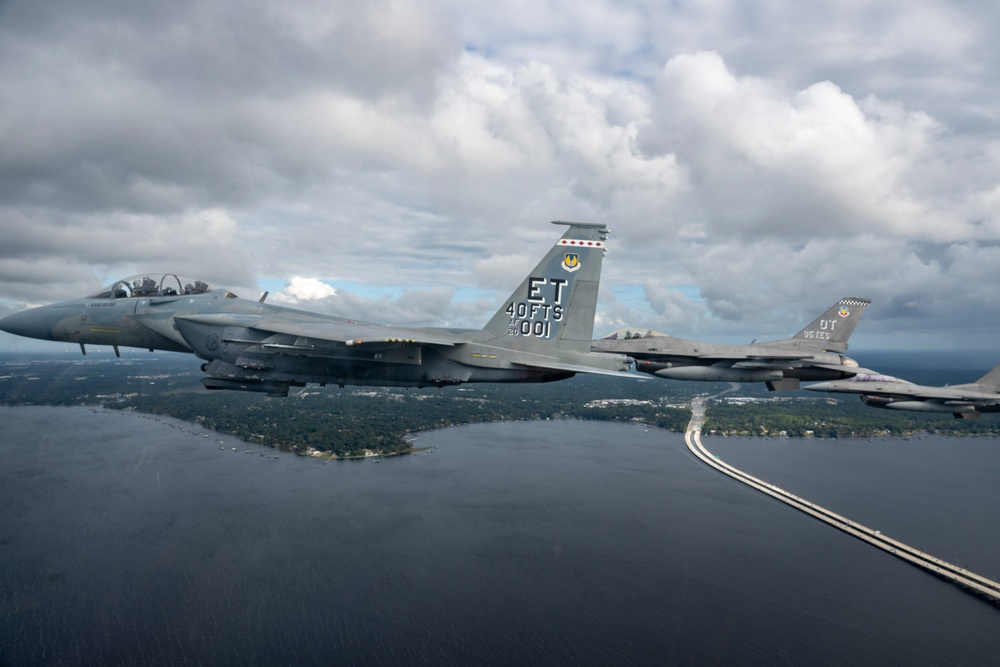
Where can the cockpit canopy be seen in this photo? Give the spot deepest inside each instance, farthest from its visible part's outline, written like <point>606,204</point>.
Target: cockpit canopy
<point>152,285</point>
<point>633,334</point>
<point>872,377</point>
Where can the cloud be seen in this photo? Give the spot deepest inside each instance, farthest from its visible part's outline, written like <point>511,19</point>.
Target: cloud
<point>304,289</point>
<point>753,163</point>
<point>805,163</point>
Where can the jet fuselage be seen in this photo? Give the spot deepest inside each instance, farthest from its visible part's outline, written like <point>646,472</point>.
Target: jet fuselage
<point>681,359</point>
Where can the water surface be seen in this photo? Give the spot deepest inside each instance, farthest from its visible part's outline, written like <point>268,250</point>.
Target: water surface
<point>128,540</point>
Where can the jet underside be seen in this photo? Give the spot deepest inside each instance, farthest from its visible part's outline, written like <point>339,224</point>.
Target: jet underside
<point>252,360</point>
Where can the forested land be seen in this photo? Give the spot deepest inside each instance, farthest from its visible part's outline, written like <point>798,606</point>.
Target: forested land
<point>349,421</point>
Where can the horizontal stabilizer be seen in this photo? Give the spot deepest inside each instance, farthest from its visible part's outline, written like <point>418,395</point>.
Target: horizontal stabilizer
<point>615,365</point>
<point>577,368</point>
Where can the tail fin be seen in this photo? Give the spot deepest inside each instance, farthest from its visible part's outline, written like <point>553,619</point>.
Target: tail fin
<point>832,329</point>
<point>991,381</point>
<point>554,306</point>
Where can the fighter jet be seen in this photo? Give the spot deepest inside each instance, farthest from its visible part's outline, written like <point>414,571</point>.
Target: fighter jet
<point>541,333</point>
<point>815,353</point>
<point>965,401</point>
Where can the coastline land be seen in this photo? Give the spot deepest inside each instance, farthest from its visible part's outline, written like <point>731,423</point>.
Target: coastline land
<point>372,422</point>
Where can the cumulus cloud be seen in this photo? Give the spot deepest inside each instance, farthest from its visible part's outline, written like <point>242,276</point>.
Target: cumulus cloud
<point>304,289</point>
<point>805,163</point>
<point>753,163</point>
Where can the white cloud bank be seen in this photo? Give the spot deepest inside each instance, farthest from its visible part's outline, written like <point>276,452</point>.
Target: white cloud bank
<point>754,163</point>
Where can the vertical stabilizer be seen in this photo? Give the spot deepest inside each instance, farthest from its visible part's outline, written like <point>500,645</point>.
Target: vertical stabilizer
<point>553,308</point>
<point>832,329</point>
<point>990,381</point>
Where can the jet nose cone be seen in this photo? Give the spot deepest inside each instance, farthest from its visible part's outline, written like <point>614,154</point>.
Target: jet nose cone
<point>819,386</point>
<point>32,323</point>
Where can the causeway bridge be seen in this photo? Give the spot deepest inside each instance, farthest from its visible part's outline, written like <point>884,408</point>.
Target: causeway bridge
<point>970,581</point>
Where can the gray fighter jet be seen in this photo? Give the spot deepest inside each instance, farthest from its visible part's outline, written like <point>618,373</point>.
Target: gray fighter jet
<point>965,401</point>
<point>541,333</point>
<point>815,353</point>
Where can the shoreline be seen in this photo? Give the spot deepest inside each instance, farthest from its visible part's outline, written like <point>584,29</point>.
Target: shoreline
<point>207,431</point>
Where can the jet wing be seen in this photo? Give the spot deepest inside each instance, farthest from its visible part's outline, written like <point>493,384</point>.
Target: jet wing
<point>337,331</point>
<point>945,396</point>
<point>788,362</point>
<point>755,358</point>
<point>356,333</point>
<point>977,402</point>
<point>905,390</point>
<point>770,363</point>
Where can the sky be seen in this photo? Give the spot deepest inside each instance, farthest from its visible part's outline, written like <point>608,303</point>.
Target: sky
<point>398,161</point>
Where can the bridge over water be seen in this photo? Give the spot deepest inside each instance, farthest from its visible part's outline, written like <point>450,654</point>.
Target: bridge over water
<point>970,581</point>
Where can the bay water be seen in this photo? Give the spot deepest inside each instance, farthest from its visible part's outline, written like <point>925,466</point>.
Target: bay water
<point>127,539</point>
